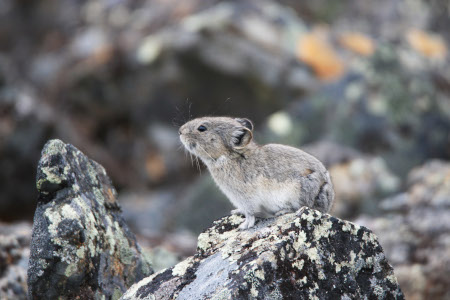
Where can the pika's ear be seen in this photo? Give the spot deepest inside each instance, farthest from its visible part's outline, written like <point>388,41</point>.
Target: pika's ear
<point>241,137</point>
<point>246,123</point>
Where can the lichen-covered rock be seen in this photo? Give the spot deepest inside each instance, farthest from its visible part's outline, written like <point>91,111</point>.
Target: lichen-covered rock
<point>303,255</point>
<point>415,232</point>
<point>14,253</point>
<point>80,247</point>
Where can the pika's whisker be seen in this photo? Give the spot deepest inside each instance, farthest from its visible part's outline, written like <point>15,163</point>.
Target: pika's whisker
<point>205,152</point>
<point>198,165</point>
<point>192,160</point>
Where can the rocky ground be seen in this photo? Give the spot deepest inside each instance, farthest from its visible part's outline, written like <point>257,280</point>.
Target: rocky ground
<point>14,255</point>
<point>415,232</point>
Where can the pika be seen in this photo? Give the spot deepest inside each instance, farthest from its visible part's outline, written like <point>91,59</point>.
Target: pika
<point>260,180</point>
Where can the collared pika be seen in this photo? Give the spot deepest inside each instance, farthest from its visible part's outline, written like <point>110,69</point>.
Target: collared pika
<point>261,181</point>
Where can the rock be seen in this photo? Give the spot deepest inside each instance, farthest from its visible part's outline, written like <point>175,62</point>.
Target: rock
<point>415,232</point>
<point>371,110</point>
<point>303,255</point>
<point>359,183</point>
<point>81,246</point>
<point>14,254</point>
<point>330,153</point>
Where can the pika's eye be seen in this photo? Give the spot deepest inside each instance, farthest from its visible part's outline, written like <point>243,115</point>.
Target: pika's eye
<point>201,128</point>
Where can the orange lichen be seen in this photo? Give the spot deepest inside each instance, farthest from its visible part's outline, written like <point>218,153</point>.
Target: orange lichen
<point>427,44</point>
<point>315,51</point>
<point>358,43</point>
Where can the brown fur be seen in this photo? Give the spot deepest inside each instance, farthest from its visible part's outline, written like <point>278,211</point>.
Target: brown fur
<point>261,181</point>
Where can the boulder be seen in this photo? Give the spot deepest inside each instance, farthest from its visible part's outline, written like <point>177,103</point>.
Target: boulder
<point>415,232</point>
<point>81,246</point>
<point>302,255</point>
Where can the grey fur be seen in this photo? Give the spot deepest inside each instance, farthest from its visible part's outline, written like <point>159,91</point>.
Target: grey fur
<point>260,180</point>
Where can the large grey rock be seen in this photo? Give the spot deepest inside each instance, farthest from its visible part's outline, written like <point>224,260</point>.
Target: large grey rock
<point>415,232</point>
<point>80,247</point>
<point>303,255</point>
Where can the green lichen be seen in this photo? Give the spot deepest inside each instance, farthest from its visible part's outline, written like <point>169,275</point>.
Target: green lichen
<point>116,294</point>
<point>71,269</point>
<point>125,251</point>
<point>180,268</point>
<point>99,196</point>
<point>54,147</point>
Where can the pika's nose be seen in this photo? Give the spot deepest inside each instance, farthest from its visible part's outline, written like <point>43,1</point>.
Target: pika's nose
<point>179,131</point>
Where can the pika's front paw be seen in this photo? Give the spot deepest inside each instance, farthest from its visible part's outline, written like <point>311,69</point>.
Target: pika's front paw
<point>237,212</point>
<point>248,223</point>
<point>244,225</point>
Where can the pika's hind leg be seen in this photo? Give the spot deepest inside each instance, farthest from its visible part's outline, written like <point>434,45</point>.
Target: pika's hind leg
<point>324,199</point>
<point>248,223</point>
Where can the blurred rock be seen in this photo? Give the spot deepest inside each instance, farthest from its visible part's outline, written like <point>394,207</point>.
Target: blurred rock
<point>173,218</point>
<point>237,50</point>
<point>299,256</point>
<point>81,246</point>
<point>163,258</point>
<point>393,104</point>
<point>200,205</point>
<point>358,43</point>
<point>330,153</point>
<point>358,183</point>
<point>113,77</point>
<point>14,254</point>
<point>148,213</point>
<point>315,51</point>
<point>24,126</point>
<point>415,232</point>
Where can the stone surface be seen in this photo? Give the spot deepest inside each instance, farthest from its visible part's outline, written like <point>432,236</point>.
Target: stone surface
<point>415,232</point>
<point>81,246</point>
<point>14,254</point>
<point>303,255</point>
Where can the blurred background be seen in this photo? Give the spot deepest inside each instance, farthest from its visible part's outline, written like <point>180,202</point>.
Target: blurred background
<point>363,85</point>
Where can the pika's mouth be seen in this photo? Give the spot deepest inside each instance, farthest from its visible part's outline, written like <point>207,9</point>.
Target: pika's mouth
<point>189,145</point>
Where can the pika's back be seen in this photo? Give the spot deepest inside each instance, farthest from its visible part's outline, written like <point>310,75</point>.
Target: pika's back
<point>279,163</point>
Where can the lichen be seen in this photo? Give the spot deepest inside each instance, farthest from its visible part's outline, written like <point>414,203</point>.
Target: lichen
<point>180,268</point>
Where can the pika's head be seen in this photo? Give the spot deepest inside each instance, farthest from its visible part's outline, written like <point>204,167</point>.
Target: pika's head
<point>211,137</point>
